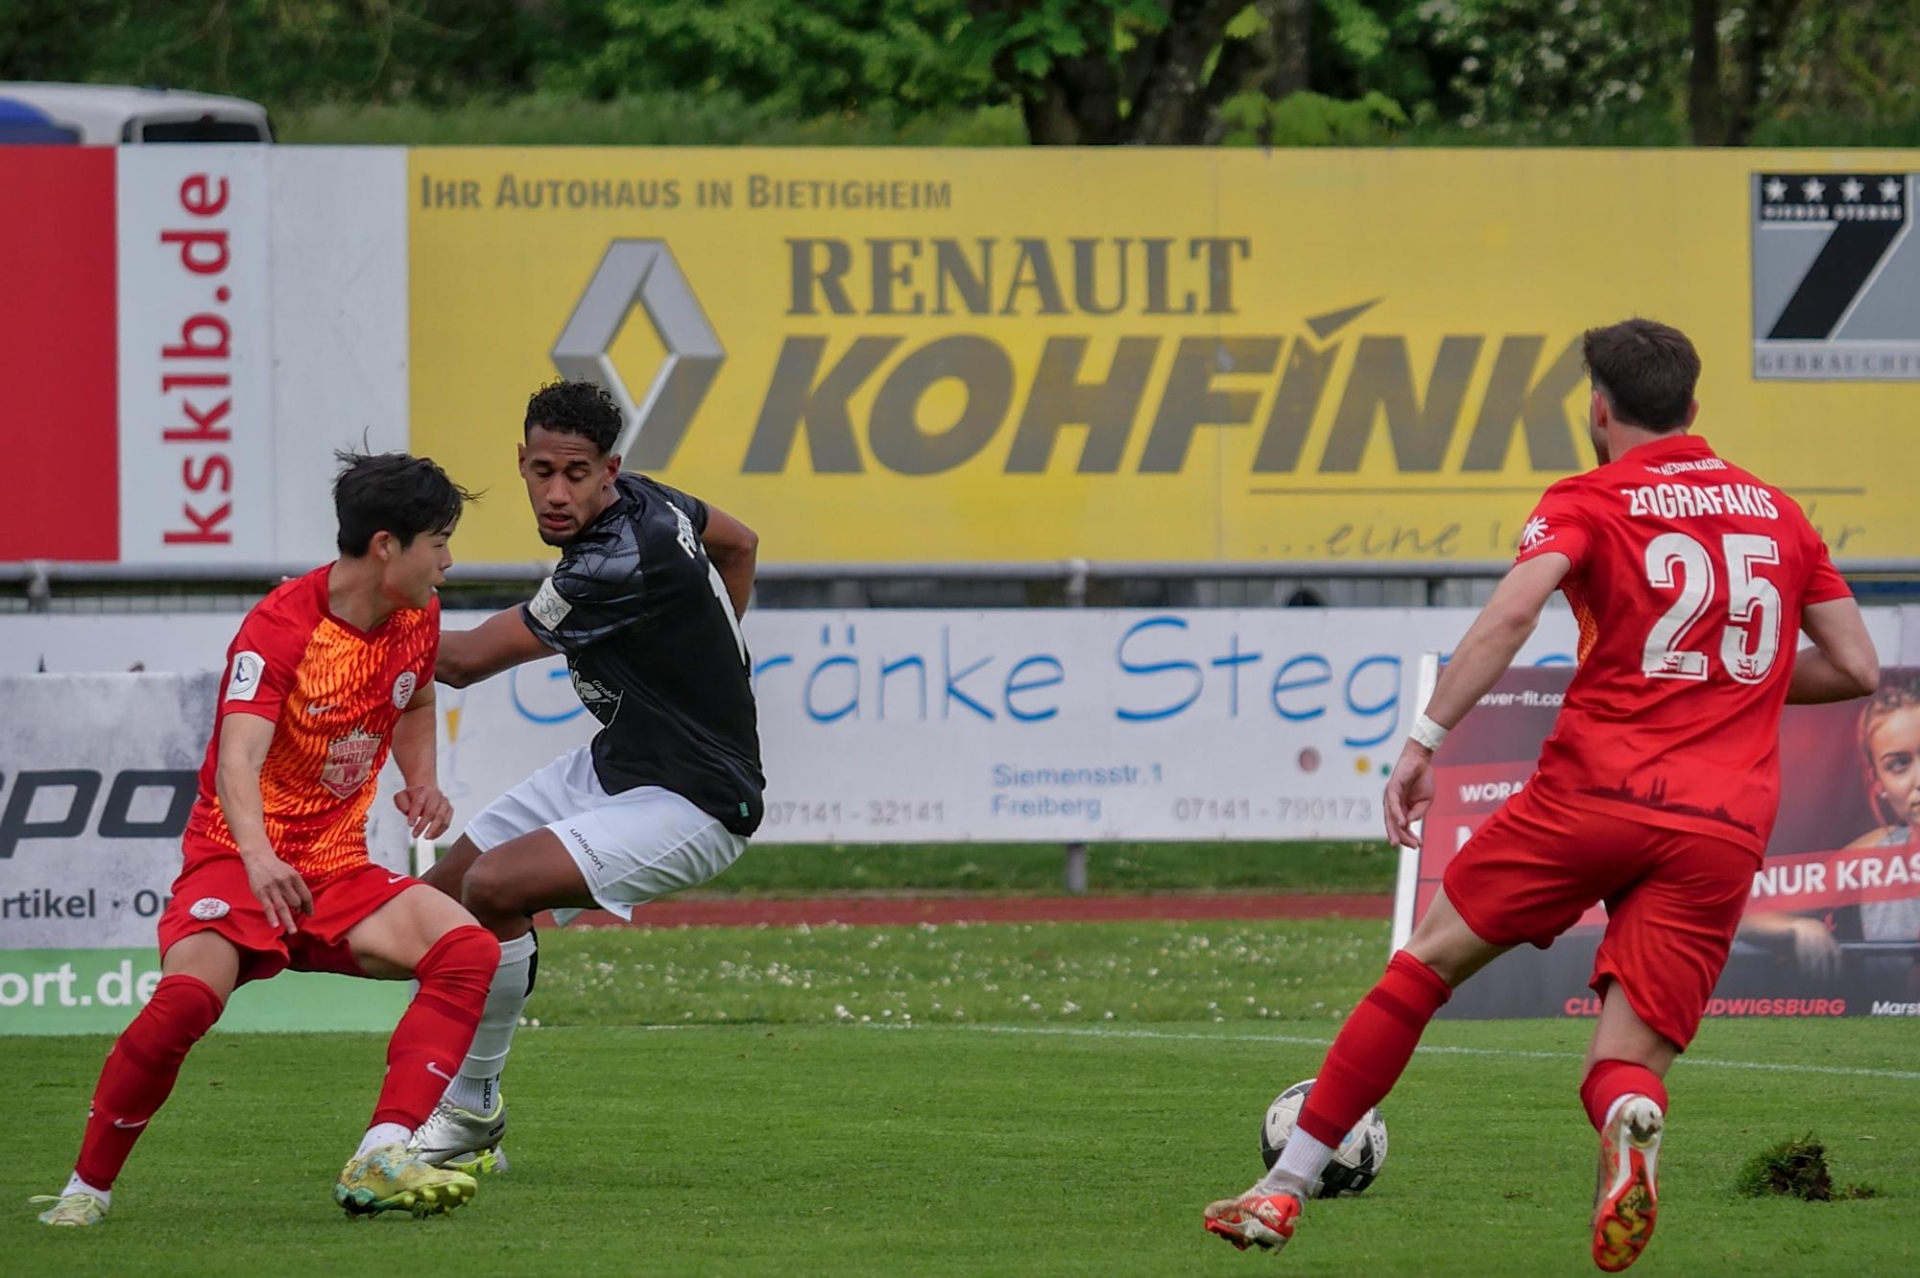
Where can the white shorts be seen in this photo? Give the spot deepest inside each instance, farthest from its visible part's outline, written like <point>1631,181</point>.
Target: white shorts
<point>631,847</point>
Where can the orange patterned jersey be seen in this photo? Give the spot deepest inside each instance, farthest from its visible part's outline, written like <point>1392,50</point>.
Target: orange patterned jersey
<point>334,694</point>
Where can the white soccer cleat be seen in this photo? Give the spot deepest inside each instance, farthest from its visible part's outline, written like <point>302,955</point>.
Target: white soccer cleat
<point>71,1211</point>
<point>462,1140</point>
<point>1624,1194</point>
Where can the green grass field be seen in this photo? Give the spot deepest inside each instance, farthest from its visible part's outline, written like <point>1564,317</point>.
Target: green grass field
<point>696,1102</point>
<point>798,870</point>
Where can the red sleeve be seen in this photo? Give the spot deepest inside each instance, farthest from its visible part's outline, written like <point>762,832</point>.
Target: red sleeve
<point>1824,582</point>
<point>1560,524</point>
<point>261,664</point>
<point>433,640</point>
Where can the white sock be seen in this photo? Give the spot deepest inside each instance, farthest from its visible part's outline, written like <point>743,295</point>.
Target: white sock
<point>1300,1166</point>
<point>475,1095</point>
<point>479,1079</point>
<point>77,1186</point>
<point>382,1134</point>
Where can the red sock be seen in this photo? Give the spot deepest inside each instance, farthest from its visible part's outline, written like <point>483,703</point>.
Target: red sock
<point>1608,1081</point>
<point>433,1037</point>
<point>1373,1048</point>
<point>140,1072</point>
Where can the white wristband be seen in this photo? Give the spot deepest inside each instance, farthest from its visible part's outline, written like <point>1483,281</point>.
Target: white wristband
<point>1428,733</point>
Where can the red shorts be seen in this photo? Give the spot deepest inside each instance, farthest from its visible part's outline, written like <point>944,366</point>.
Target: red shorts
<point>1673,898</point>
<point>212,895</point>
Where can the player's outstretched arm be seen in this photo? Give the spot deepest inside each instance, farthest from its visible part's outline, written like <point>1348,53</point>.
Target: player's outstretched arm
<point>501,642</point>
<point>1842,664</point>
<point>244,741</point>
<point>733,549</point>
<point>1483,655</point>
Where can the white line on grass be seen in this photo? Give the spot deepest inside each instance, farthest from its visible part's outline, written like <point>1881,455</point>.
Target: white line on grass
<point>1292,1040</point>
<point>1094,1031</point>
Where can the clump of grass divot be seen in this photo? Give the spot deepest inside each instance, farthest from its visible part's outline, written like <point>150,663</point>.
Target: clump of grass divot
<point>1798,1169</point>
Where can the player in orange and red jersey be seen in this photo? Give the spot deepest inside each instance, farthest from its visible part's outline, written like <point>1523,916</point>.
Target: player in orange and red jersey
<point>1655,793</point>
<point>327,673</point>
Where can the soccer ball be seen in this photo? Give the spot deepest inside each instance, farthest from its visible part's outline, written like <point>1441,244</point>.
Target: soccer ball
<point>1355,1164</point>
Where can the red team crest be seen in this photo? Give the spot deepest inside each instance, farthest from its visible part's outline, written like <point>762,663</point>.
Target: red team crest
<point>350,762</point>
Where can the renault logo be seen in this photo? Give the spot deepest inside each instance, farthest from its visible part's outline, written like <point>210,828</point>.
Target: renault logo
<point>643,274</point>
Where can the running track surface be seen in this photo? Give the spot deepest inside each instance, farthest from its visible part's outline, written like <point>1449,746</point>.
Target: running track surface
<point>897,911</point>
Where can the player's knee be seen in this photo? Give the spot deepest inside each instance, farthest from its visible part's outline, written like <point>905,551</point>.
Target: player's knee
<point>448,874</point>
<point>463,960</point>
<point>181,1011</point>
<point>490,894</point>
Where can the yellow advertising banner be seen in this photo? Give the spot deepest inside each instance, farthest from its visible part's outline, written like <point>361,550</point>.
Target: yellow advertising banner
<point>1177,356</point>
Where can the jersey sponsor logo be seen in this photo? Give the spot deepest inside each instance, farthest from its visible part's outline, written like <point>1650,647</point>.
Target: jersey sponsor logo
<point>1692,501</point>
<point>1684,467</point>
<point>403,689</point>
<point>549,606</point>
<point>601,701</point>
<point>1534,534</point>
<point>248,670</point>
<point>209,908</point>
<point>688,540</point>
<point>349,763</point>
<point>1834,263</point>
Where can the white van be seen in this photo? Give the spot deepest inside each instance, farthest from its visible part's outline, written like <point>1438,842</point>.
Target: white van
<point>110,114</point>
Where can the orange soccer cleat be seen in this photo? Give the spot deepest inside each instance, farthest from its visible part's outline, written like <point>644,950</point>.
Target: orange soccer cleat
<point>1254,1220</point>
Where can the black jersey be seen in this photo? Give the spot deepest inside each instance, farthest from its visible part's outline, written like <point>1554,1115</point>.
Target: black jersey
<point>656,653</point>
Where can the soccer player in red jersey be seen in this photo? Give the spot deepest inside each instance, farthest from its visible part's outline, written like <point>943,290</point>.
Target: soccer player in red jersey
<point>1655,793</point>
<point>327,673</point>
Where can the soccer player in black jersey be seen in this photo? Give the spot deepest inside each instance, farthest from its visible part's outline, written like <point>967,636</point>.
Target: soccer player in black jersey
<point>645,603</point>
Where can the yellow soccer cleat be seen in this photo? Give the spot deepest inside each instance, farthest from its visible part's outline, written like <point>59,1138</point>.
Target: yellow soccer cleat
<point>391,1179</point>
<point>71,1211</point>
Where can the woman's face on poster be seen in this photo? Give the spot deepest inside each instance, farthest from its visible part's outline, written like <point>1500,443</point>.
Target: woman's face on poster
<point>1894,743</point>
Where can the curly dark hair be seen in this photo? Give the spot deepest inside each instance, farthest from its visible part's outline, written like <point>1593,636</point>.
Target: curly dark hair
<point>576,408</point>
<point>1646,369</point>
<point>396,493</point>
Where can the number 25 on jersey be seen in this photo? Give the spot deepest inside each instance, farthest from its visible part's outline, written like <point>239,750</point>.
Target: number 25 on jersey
<point>1750,641</point>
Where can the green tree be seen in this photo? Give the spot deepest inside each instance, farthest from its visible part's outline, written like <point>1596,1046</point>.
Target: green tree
<point>1097,72</point>
<point>882,56</point>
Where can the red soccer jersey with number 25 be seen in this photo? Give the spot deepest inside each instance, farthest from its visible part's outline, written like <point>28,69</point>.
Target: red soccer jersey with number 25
<point>334,694</point>
<point>1688,579</point>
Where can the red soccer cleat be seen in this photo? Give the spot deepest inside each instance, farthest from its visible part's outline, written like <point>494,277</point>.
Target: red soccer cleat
<point>1254,1219</point>
<point>1624,1204</point>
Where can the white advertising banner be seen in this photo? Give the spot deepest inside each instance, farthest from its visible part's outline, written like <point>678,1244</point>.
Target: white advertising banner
<point>101,773</point>
<point>98,774</point>
<point>262,303</point>
<point>196,410</point>
<point>1003,726</point>
<point>339,244</point>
